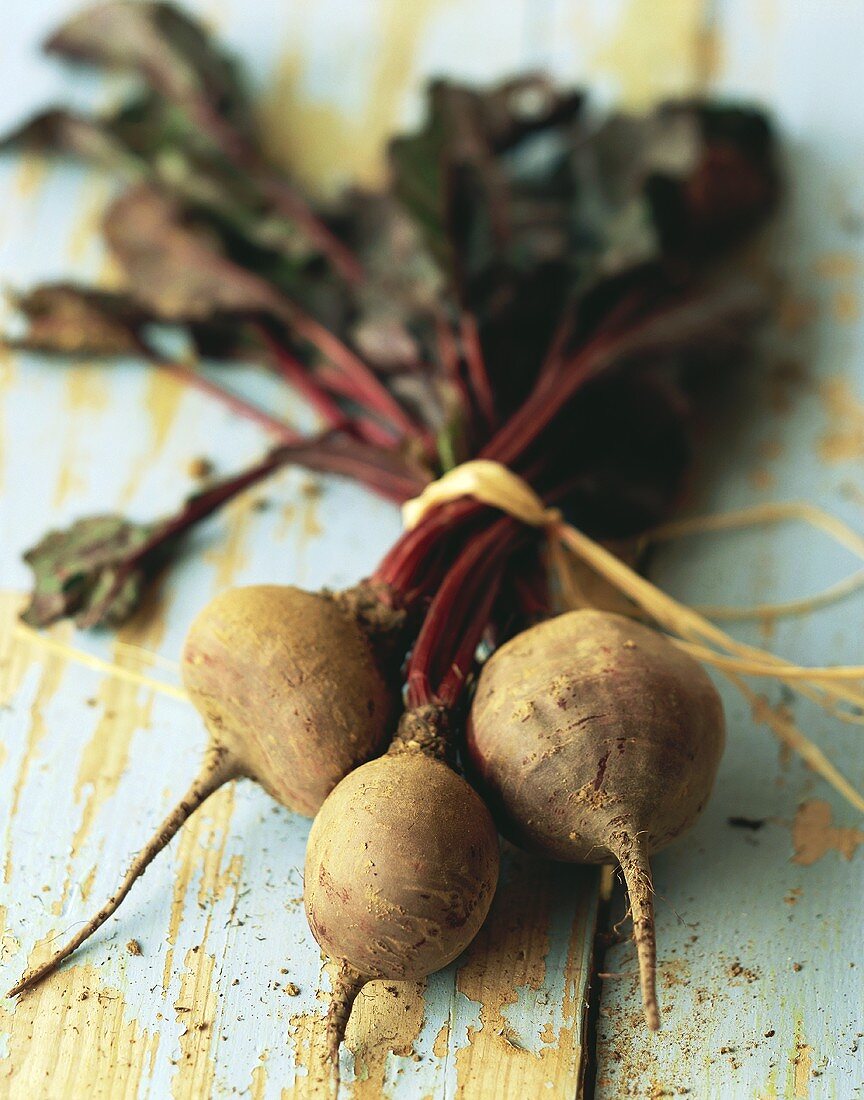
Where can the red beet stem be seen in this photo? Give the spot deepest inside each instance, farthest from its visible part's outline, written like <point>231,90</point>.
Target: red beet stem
<point>278,428</point>
<point>380,471</point>
<point>477,373</point>
<point>418,554</point>
<point>358,380</point>
<point>444,652</point>
<point>296,374</point>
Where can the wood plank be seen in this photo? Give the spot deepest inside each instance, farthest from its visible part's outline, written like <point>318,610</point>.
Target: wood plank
<point>760,928</point>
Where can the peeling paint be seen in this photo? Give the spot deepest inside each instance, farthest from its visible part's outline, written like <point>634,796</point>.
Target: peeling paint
<point>651,58</point>
<point>837,265</point>
<point>762,479</point>
<point>196,853</point>
<point>231,553</point>
<point>15,658</point>
<point>708,60</point>
<point>440,1046</point>
<point>31,175</point>
<point>48,687</point>
<point>843,439</point>
<point>258,1086</point>
<point>800,1066</point>
<point>106,755</point>
<point>770,1090</point>
<point>309,1032</point>
<point>845,306</point>
<point>86,885</point>
<point>7,379</point>
<point>316,141</point>
<point>86,389</point>
<point>162,398</point>
<point>195,1009</point>
<point>509,954</point>
<point>85,230</point>
<point>387,1019</point>
<point>46,1055</point>
<point>9,943</point>
<point>124,710</point>
<point>85,393</point>
<point>814,835</point>
<point>795,313</point>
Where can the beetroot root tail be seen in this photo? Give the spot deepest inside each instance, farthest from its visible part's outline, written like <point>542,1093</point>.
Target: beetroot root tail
<point>217,770</point>
<point>631,851</point>
<point>347,985</point>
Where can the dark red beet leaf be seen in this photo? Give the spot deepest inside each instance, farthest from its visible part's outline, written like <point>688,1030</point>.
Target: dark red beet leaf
<point>97,571</point>
<point>180,65</point>
<point>88,571</point>
<point>170,51</point>
<point>64,319</point>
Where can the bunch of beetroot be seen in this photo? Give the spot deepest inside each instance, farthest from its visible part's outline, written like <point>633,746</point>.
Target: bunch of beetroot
<point>534,287</point>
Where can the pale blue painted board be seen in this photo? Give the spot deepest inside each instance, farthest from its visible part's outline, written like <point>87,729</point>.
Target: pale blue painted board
<point>730,897</point>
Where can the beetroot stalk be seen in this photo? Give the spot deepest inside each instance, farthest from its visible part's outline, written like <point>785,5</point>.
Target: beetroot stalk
<point>323,453</point>
<point>295,373</point>
<point>662,330</point>
<point>480,383</point>
<point>562,377</point>
<point>356,379</point>
<point>234,402</point>
<point>390,476</point>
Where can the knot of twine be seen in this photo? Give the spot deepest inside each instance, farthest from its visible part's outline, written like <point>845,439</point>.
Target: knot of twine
<point>489,482</point>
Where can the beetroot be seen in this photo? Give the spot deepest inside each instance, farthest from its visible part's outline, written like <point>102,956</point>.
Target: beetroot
<point>401,866</point>
<point>596,740</point>
<point>292,684</point>
<point>296,688</point>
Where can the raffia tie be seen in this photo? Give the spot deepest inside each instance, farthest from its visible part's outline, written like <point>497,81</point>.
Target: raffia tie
<point>490,483</point>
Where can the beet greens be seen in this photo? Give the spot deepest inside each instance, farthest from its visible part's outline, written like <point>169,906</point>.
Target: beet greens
<point>528,270</point>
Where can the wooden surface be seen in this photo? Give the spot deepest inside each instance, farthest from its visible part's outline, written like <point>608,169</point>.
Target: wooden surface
<point>758,928</point>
